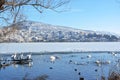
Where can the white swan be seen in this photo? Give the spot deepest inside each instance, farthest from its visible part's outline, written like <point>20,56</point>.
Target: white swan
<point>52,58</point>
<point>114,54</point>
<point>29,56</point>
<point>21,56</point>
<point>14,56</point>
<point>97,62</point>
<point>89,56</point>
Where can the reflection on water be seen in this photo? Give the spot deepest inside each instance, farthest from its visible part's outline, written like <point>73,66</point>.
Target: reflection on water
<point>64,66</point>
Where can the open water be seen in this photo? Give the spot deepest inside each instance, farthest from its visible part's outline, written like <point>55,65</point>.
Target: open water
<point>65,66</point>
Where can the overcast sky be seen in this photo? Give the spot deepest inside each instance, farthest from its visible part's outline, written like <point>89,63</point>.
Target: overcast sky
<point>97,15</point>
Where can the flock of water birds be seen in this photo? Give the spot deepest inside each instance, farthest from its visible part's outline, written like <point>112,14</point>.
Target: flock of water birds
<point>15,59</point>
<point>26,59</point>
<point>98,62</point>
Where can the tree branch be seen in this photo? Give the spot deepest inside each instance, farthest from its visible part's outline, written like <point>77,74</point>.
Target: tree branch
<point>5,19</point>
<point>16,15</point>
<point>13,6</point>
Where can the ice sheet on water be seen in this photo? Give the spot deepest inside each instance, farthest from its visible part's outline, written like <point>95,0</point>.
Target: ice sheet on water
<point>59,47</point>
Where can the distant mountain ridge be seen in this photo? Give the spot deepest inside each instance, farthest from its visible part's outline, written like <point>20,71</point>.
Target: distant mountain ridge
<point>29,31</point>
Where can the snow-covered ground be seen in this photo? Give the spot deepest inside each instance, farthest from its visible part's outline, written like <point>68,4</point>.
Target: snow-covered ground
<point>59,47</point>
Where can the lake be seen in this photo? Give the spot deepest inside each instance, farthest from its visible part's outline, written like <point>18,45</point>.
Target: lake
<point>72,61</point>
<point>68,66</point>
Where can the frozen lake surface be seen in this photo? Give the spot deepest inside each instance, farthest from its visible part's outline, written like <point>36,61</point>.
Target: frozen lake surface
<point>59,47</point>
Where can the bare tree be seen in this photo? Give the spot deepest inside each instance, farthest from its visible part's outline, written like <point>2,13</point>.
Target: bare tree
<point>10,10</point>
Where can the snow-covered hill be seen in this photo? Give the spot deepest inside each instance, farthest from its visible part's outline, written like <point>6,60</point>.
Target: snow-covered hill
<point>29,31</point>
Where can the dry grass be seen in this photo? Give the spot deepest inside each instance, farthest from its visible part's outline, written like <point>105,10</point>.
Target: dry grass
<point>41,77</point>
<point>114,76</point>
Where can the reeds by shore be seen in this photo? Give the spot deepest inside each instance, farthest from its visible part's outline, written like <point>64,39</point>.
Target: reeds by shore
<point>114,76</point>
